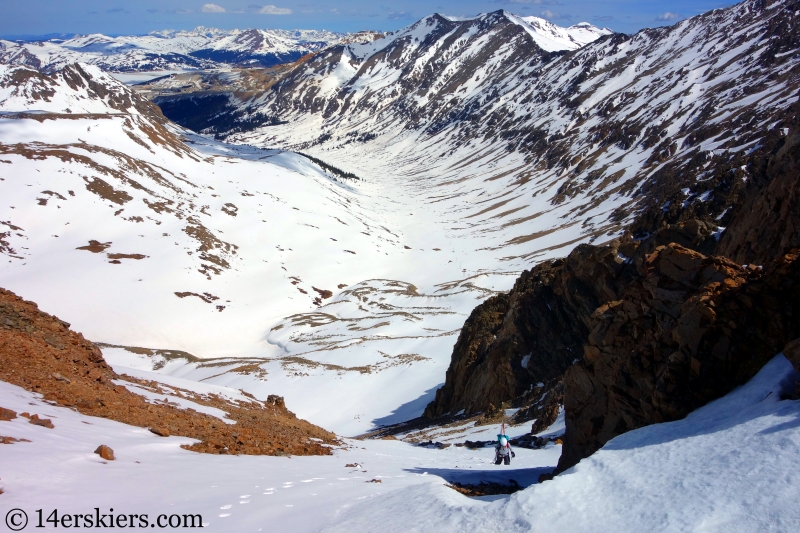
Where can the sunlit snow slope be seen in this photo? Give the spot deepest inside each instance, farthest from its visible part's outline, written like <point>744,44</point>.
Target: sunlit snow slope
<point>728,467</point>
<point>480,152</point>
<point>142,234</point>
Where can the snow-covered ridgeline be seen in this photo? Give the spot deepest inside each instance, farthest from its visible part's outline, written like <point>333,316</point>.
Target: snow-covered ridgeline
<point>526,151</point>
<point>169,49</point>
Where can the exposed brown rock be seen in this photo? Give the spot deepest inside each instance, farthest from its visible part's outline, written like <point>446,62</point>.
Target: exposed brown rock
<point>43,422</point>
<point>323,293</point>
<point>95,247</point>
<point>35,346</point>
<point>688,331</point>
<point>768,220</point>
<point>11,440</point>
<point>7,414</point>
<point>105,452</point>
<point>543,322</point>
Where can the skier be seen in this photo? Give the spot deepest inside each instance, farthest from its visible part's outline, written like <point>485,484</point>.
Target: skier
<point>502,451</point>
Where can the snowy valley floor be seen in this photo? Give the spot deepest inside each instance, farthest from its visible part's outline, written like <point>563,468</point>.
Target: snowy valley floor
<point>729,466</point>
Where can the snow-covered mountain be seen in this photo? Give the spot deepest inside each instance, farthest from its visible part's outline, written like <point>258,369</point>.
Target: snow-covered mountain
<point>533,152</point>
<point>552,38</point>
<point>442,160</point>
<point>480,153</point>
<point>170,50</point>
<point>163,239</point>
<point>514,155</point>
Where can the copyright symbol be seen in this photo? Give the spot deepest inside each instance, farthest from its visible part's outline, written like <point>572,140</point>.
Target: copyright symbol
<point>16,519</point>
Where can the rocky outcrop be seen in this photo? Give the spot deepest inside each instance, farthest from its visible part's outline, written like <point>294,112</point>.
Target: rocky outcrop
<point>515,348</point>
<point>768,220</point>
<point>792,353</point>
<point>105,452</point>
<point>688,331</point>
<point>477,335</point>
<point>39,352</point>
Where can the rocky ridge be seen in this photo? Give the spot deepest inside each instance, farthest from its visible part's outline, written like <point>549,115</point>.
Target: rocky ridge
<point>39,353</point>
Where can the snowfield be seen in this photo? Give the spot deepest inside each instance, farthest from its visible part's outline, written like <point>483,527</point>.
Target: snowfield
<point>728,467</point>
<point>151,236</point>
<point>481,147</point>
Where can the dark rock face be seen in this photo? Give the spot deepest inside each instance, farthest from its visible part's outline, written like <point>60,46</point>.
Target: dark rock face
<point>470,351</point>
<point>688,331</point>
<point>542,323</point>
<point>768,220</point>
<point>791,351</point>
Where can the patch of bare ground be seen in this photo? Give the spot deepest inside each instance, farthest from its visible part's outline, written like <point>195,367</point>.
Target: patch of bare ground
<point>10,440</point>
<point>5,246</point>
<point>291,363</point>
<point>39,353</point>
<point>323,293</point>
<point>95,247</point>
<point>211,248</point>
<point>206,297</point>
<point>230,209</point>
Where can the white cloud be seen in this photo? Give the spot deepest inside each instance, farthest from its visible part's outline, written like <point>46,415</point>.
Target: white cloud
<point>272,10</point>
<point>667,16</point>
<point>212,8</point>
<point>554,15</point>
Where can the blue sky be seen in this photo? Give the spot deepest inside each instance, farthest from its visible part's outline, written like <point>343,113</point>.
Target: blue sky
<point>38,17</point>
